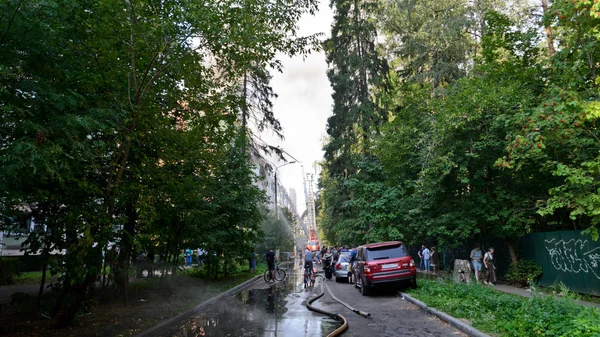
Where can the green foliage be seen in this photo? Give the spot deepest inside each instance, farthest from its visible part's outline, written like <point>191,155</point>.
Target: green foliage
<point>119,129</point>
<point>487,135</point>
<point>9,271</point>
<point>524,273</point>
<point>509,315</point>
<point>356,68</point>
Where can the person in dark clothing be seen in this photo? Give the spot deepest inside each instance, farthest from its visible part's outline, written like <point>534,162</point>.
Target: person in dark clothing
<point>270,256</point>
<point>327,264</point>
<point>336,254</point>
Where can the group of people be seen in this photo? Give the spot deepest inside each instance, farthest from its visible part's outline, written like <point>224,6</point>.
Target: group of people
<point>188,255</point>
<point>428,258</point>
<point>327,257</point>
<point>478,259</point>
<point>482,263</point>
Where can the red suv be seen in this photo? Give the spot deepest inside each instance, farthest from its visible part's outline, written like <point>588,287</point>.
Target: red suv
<point>383,263</point>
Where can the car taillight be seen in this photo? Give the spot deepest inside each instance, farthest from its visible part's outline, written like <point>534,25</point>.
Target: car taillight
<point>367,268</point>
<point>412,262</point>
<point>338,266</point>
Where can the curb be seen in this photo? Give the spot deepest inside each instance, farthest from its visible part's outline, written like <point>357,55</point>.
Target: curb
<point>458,324</point>
<point>163,326</point>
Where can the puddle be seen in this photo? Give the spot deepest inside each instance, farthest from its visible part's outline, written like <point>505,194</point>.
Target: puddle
<point>262,310</point>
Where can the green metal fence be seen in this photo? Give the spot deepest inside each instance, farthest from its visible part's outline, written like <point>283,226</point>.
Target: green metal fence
<point>566,256</point>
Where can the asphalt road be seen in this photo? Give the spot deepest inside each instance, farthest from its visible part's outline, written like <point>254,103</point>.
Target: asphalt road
<point>279,310</point>
<point>390,314</point>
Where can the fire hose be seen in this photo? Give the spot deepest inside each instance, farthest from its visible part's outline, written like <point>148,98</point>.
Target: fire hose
<point>360,312</point>
<point>333,315</point>
<point>337,316</point>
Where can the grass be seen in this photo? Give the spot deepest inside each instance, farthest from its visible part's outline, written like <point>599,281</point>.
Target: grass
<point>503,314</point>
<point>31,277</point>
<point>561,289</point>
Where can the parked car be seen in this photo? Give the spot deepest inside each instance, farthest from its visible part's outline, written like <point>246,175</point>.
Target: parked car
<point>341,268</point>
<point>384,263</point>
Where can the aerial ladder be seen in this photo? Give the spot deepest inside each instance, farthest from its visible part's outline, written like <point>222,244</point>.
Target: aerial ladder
<point>313,243</point>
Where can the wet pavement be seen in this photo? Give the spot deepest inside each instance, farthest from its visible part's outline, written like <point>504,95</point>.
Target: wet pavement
<point>260,310</point>
<point>391,316</point>
<point>279,310</point>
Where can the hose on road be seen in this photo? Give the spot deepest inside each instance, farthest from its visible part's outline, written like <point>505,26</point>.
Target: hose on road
<point>360,312</point>
<point>337,316</point>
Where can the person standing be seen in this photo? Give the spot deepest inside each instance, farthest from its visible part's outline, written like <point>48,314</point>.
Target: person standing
<point>199,251</point>
<point>353,253</point>
<point>188,257</point>
<point>252,263</point>
<point>426,257</point>
<point>327,264</point>
<point>476,256</point>
<point>488,261</point>
<point>336,254</point>
<point>421,261</point>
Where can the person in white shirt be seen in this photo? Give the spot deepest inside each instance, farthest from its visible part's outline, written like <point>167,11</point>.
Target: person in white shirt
<point>426,253</point>
<point>488,261</point>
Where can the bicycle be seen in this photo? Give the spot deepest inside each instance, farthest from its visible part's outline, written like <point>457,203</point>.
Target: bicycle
<point>278,274</point>
<point>308,279</point>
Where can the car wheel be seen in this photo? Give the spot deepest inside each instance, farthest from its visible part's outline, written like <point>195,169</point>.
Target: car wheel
<point>337,279</point>
<point>413,283</point>
<point>364,290</point>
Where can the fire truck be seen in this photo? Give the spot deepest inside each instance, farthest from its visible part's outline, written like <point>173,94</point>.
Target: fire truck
<point>313,242</point>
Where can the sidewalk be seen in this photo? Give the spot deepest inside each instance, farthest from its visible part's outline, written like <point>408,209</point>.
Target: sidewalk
<point>7,291</point>
<point>513,290</point>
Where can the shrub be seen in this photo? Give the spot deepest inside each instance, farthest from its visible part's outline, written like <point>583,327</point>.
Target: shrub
<point>8,271</point>
<point>526,272</point>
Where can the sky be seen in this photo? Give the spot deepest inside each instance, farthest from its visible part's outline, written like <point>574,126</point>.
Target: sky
<point>303,104</point>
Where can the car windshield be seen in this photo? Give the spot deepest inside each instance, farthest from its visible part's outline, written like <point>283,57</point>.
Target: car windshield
<point>312,243</point>
<point>385,252</point>
<point>344,258</point>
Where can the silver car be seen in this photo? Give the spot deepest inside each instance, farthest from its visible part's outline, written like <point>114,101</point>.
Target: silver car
<point>341,268</point>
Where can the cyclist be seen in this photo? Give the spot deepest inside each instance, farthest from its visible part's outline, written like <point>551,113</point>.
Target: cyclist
<point>308,263</point>
<point>270,256</point>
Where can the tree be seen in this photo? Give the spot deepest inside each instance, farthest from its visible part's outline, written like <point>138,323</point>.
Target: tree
<point>355,69</point>
<point>559,134</point>
<point>100,98</point>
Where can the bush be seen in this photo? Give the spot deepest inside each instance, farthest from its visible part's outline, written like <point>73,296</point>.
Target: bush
<point>526,272</point>
<point>9,270</point>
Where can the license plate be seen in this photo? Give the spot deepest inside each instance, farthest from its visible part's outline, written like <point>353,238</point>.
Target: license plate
<point>389,265</point>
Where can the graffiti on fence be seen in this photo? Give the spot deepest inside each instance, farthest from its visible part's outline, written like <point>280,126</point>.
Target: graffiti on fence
<point>569,256</point>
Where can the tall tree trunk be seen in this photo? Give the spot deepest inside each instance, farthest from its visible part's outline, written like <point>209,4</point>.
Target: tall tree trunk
<point>104,283</point>
<point>42,283</point>
<point>513,254</point>
<point>127,249</point>
<point>549,37</point>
